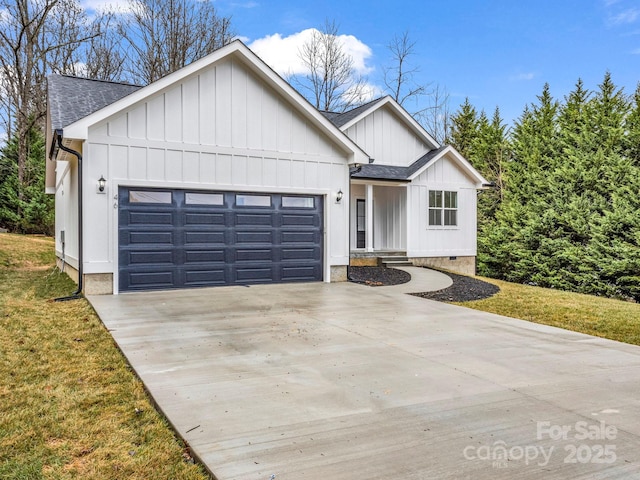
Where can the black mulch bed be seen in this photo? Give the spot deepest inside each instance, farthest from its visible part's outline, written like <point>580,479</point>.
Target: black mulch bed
<point>378,276</point>
<point>464,289</point>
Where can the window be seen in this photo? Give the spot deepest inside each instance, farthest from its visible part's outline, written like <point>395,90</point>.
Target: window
<point>204,199</point>
<point>298,202</point>
<point>253,200</point>
<point>443,208</point>
<point>149,197</point>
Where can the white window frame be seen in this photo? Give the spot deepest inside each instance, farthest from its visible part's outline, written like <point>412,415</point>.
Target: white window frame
<point>443,208</point>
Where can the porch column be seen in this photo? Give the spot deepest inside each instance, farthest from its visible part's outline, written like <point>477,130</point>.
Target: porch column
<point>369,204</point>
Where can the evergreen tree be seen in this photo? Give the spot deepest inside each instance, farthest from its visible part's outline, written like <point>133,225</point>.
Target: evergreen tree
<point>632,127</point>
<point>464,128</point>
<point>568,218</point>
<point>535,148</point>
<point>490,153</point>
<point>24,207</point>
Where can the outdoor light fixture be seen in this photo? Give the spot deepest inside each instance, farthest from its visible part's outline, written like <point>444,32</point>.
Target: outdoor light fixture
<point>339,196</point>
<point>101,184</point>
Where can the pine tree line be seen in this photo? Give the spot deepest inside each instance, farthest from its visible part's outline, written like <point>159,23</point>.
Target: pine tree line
<point>565,211</point>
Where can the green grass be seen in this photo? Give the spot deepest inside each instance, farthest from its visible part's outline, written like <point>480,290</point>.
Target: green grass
<point>70,407</point>
<point>602,317</point>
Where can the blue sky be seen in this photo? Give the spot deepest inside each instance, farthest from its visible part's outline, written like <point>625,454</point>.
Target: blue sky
<point>497,53</point>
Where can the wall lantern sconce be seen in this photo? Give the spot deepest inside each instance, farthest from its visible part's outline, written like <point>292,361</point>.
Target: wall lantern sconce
<point>102,183</point>
<point>339,196</point>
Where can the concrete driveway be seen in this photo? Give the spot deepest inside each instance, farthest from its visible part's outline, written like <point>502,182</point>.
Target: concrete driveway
<point>343,381</point>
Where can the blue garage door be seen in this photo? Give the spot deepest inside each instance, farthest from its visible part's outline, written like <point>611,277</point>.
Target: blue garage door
<point>185,239</point>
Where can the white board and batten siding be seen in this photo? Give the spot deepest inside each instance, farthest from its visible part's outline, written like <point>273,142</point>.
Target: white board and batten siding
<point>220,129</point>
<point>66,211</point>
<point>389,218</point>
<point>387,139</point>
<point>439,241</point>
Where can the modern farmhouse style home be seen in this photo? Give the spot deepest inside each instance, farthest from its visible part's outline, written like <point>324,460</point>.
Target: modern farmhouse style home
<point>222,174</point>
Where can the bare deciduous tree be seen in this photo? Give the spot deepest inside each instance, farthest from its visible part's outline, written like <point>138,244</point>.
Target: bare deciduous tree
<point>162,36</point>
<point>331,83</point>
<point>399,77</point>
<point>431,103</point>
<point>435,115</point>
<point>101,58</point>
<point>34,35</point>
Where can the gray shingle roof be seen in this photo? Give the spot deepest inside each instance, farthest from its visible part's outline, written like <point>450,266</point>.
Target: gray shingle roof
<point>73,98</point>
<point>340,119</point>
<point>372,171</point>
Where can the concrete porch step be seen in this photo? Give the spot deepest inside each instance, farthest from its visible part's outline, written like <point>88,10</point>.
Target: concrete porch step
<point>394,261</point>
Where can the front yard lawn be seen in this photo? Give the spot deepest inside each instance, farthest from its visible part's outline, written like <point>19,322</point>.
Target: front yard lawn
<point>70,407</point>
<point>602,317</point>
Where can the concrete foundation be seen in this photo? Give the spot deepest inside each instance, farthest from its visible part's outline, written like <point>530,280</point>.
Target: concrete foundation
<point>98,284</point>
<point>461,265</point>
<point>364,262</point>
<point>72,272</point>
<point>338,273</point>
<point>372,259</point>
<point>94,283</point>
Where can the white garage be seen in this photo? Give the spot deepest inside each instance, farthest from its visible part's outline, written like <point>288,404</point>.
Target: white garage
<point>218,174</point>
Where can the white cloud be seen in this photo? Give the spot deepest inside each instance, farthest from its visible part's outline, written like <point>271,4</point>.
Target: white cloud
<point>98,5</point>
<point>625,17</point>
<point>248,4</point>
<point>282,53</point>
<point>526,76</point>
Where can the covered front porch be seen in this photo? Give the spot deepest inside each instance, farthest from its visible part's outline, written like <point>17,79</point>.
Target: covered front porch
<point>378,220</point>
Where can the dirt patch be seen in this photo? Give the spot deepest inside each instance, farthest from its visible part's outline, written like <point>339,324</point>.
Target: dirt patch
<point>378,276</point>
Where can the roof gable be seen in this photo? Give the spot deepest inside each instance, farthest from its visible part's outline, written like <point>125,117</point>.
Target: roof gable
<point>348,119</point>
<point>236,50</point>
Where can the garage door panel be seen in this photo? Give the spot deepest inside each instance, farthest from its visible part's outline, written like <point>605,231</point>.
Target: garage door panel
<point>300,254</point>
<point>146,257</point>
<point>204,219</point>
<point>204,238</point>
<point>208,277</point>
<point>289,220</point>
<point>194,257</point>
<point>254,237</point>
<point>255,274</point>
<point>254,255</point>
<point>142,238</point>
<point>150,218</point>
<point>161,279</point>
<point>210,238</point>
<point>299,273</point>
<point>263,219</point>
<point>309,237</point>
